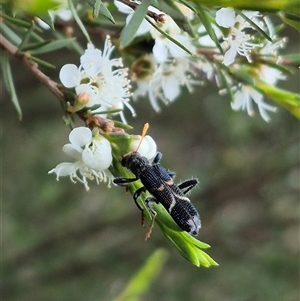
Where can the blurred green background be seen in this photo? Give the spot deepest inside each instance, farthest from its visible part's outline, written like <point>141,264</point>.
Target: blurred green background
<point>60,242</point>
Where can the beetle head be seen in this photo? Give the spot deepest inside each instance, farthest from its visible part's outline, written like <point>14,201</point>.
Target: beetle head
<point>134,162</point>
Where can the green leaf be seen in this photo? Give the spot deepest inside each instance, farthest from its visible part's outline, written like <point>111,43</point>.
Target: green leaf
<point>35,45</point>
<point>101,9</point>
<point>206,20</point>
<point>170,38</point>
<point>50,46</point>
<point>223,79</point>
<point>127,34</point>
<point>122,125</point>
<point>9,83</point>
<point>291,59</point>
<point>42,62</point>
<point>169,7</point>
<point>263,33</point>
<point>15,21</point>
<point>289,100</point>
<point>37,7</point>
<point>75,46</point>
<point>261,5</point>
<point>78,21</point>
<point>10,34</point>
<point>292,19</point>
<point>188,246</point>
<point>47,19</point>
<point>26,36</point>
<point>141,281</point>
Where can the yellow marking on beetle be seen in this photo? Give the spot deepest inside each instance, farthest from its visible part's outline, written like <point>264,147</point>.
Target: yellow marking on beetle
<point>160,188</point>
<point>170,182</point>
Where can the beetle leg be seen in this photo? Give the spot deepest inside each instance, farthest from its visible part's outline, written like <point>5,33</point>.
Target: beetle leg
<point>157,158</point>
<point>187,185</point>
<point>148,201</point>
<point>124,181</point>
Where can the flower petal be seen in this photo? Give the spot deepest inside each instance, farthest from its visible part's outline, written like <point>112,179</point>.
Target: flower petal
<point>171,88</point>
<point>160,51</point>
<point>73,151</point>
<point>98,156</point>
<point>229,56</point>
<point>69,75</point>
<point>80,136</point>
<point>91,60</point>
<point>225,17</point>
<point>64,169</point>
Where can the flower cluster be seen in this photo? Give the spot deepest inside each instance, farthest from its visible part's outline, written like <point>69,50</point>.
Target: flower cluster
<point>237,40</point>
<point>170,65</point>
<point>102,86</point>
<point>99,82</point>
<point>92,156</point>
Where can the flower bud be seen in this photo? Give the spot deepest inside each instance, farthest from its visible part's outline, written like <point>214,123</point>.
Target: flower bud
<point>147,148</point>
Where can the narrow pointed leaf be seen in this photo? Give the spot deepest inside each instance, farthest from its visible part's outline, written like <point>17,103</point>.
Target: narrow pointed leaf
<point>291,19</point>
<point>52,46</point>
<point>169,7</point>
<point>131,28</point>
<point>101,9</point>
<point>263,33</point>
<point>42,62</point>
<point>9,83</point>
<point>78,21</point>
<point>170,38</point>
<point>206,20</point>
<point>141,281</point>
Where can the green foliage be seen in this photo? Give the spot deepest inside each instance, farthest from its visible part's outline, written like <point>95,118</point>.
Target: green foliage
<point>289,100</point>
<point>263,5</point>
<point>129,31</point>
<point>141,281</point>
<point>100,9</point>
<point>291,18</point>
<point>9,83</point>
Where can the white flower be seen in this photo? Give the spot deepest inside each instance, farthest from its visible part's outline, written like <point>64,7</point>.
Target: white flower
<point>237,41</point>
<point>168,79</point>
<point>270,75</point>
<point>61,11</point>
<point>243,99</point>
<point>147,148</point>
<point>270,48</point>
<point>164,49</point>
<point>205,39</point>
<point>245,95</point>
<point>101,78</point>
<point>92,157</point>
<point>144,27</point>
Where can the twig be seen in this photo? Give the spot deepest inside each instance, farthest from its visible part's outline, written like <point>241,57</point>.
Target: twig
<point>102,123</point>
<point>156,17</point>
<point>33,67</point>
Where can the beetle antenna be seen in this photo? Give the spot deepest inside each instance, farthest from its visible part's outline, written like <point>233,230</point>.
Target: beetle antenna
<point>144,131</point>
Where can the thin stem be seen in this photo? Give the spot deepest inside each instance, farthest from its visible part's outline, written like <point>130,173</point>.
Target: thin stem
<point>33,67</point>
<point>156,17</point>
